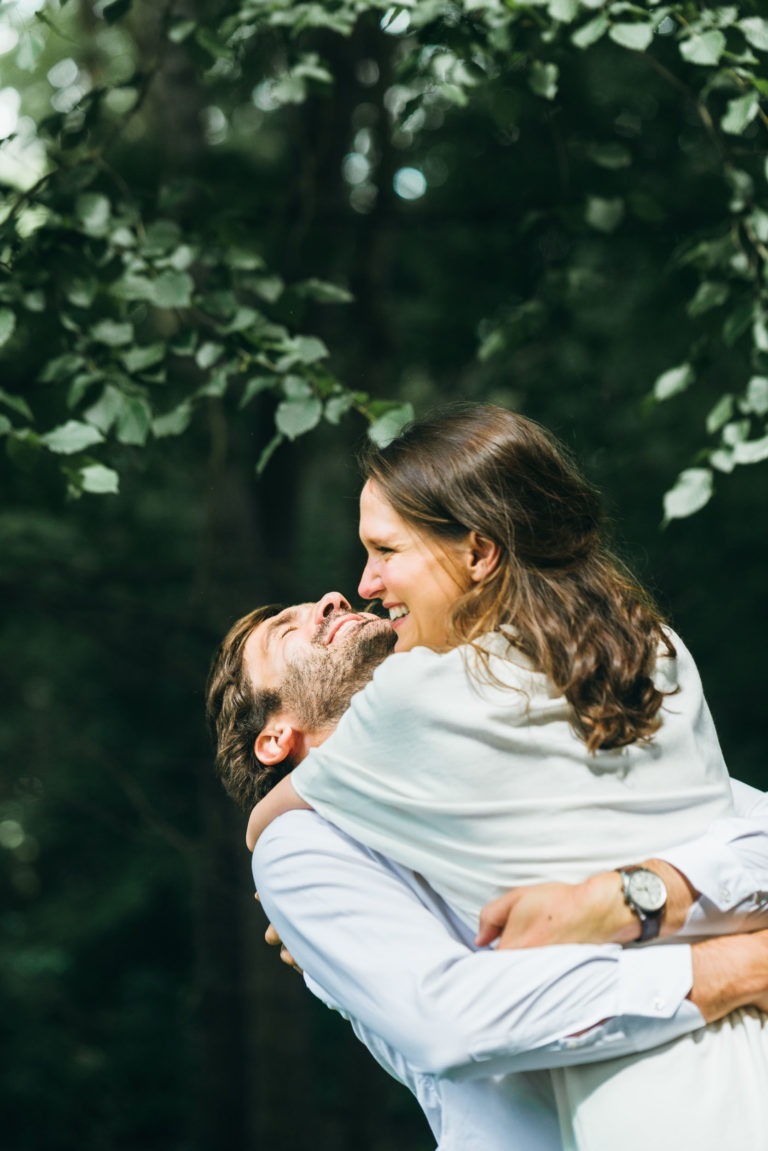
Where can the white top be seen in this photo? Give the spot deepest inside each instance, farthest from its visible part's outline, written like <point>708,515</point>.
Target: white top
<point>376,944</point>
<point>481,787</point>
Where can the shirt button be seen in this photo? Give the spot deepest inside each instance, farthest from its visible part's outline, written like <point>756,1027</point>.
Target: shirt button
<point>659,1004</point>
<point>725,893</point>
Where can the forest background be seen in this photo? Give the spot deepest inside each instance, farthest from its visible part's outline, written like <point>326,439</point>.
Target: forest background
<point>235,238</point>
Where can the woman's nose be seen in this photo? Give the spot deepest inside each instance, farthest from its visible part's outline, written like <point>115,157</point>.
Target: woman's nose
<point>370,585</point>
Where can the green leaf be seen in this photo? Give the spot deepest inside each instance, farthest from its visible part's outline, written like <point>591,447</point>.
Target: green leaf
<point>703,48</point>
<point>564,11</point>
<point>384,429</point>
<point>604,215</point>
<point>751,451</point>
<point>173,423</point>
<point>216,386</point>
<point>268,452</point>
<point>98,480</point>
<point>756,31</point>
<point>296,388</point>
<point>103,413</point>
<point>610,155</point>
<point>720,414</point>
<point>208,354</point>
<point>270,288</point>
<point>254,387</point>
<point>72,437</point>
<point>338,406</point>
<point>740,113</point>
<point>30,49</point>
<point>61,368</point>
<point>722,459</point>
<point>323,292</point>
<point>143,356</point>
<point>591,32</point>
<point>691,492</point>
<point>93,210</point>
<point>180,30</point>
<point>5,425</point>
<point>542,79</point>
<point>673,381</point>
<point>760,332</point>
<point>81,290</point>
<point>737,322</point>
<point>637,37</point>
<point>710,294</point>
<point>756,396</point>
<point>80,385</point>
<point>112,333</point>
<point>16,404</point>
<point>241,321</point>
<point>295,417</point>
<point>301,350</point>
<point>134,421</point>
<point>211,44</point>
<point>172,289</point>
<point>7,325</point>
<point>735,432</point>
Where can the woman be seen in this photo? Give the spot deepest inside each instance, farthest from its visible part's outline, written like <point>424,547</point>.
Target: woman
<point>484,545</point>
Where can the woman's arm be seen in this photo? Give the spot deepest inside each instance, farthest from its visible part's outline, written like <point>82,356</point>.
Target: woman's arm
<point>280,799</point>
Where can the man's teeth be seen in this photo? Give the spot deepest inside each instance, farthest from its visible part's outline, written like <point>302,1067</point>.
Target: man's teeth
<point>397,612</point>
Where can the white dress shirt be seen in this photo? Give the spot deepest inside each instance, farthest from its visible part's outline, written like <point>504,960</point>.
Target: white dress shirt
<point>454,1024</point>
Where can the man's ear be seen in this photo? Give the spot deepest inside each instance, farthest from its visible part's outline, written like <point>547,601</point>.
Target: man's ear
<point>276,741</point>
<point>484,554</point>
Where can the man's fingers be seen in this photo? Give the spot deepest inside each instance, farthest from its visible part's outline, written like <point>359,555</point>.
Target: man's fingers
<point>492,919</point>
<point>288,960</point>
<point>271,937</point>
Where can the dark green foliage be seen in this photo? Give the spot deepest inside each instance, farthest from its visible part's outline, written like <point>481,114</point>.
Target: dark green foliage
<point>264,230</point>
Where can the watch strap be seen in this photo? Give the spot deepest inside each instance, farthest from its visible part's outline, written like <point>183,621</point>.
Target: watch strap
<point>650,921</point>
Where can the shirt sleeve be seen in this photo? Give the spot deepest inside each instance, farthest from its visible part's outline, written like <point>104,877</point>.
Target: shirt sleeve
<point>728,865</point>
<point>378,945</point>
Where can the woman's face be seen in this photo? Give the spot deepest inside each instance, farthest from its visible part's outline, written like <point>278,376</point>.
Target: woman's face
<point>417,578</point>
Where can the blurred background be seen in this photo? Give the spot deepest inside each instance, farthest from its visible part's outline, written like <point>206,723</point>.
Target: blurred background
<point>455,201</point>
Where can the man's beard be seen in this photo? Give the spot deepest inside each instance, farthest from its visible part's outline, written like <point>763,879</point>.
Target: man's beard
<point>317,689</point>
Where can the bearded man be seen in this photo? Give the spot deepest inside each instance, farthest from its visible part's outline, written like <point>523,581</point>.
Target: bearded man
<point>467,1031</point>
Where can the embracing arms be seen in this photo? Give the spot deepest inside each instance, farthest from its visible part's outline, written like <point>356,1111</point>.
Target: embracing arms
<point>376,943</point>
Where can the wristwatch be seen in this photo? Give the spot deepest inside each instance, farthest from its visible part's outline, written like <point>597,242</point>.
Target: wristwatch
<point>645,893</point>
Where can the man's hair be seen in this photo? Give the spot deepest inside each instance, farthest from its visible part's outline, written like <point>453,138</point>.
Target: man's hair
<point>237,710</point>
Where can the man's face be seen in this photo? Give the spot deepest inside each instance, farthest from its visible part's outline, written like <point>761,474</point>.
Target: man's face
<point>317,655</point>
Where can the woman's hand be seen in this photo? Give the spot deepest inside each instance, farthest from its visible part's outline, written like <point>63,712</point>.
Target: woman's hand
<point>590,912</point>
<point>549,913</point>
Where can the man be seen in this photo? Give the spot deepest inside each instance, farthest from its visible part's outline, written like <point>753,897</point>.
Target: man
<point>376,944</point>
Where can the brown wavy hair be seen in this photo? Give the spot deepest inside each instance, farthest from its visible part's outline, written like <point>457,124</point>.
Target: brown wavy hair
<point>237,710</point>
<point>572,607</point>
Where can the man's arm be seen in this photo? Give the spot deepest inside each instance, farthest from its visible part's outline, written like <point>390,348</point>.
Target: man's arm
<point>384,950</point>
<point>717,885</point>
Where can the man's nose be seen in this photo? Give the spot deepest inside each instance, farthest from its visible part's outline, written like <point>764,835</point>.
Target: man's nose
<point>332,601</point>
<point>370,582</point>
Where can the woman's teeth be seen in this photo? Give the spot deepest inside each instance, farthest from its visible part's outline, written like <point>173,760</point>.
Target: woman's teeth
<point>398,612</point>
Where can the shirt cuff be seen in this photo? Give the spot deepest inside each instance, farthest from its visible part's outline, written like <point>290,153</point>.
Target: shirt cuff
<point>654,981</point>
<point>715,869</point>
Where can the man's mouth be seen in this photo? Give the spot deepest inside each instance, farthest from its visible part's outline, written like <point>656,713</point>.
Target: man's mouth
<point>337,625</point>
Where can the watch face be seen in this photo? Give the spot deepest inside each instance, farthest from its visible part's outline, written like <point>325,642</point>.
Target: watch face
<point>647,890</point>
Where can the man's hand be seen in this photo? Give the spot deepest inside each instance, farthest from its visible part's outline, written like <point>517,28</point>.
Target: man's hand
<point>273,940</point>
<point>590,912</point>
<point>730,971</point>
